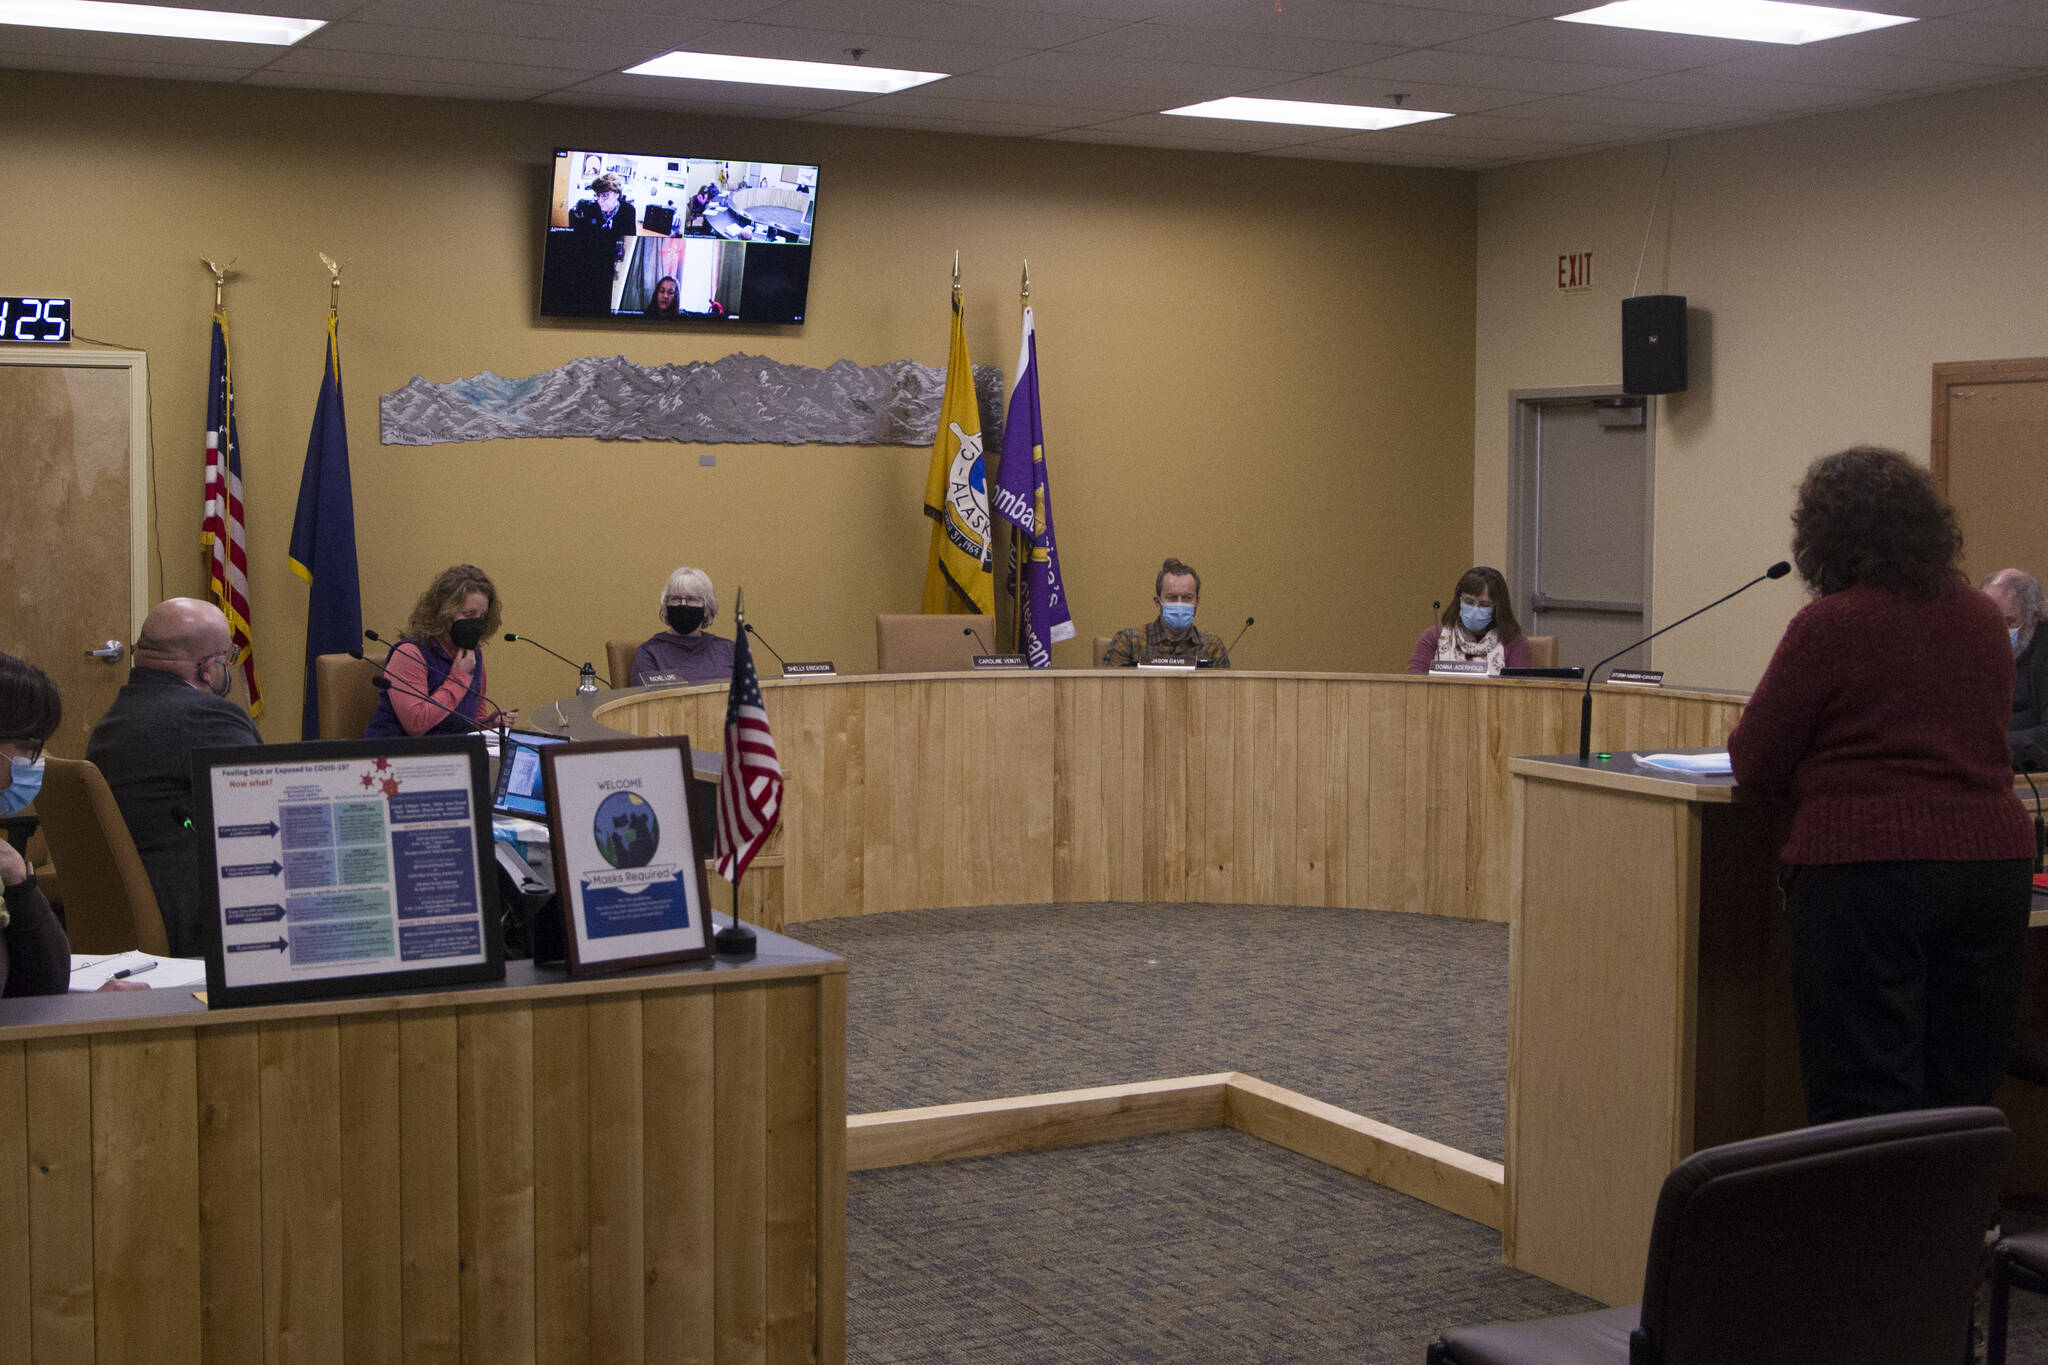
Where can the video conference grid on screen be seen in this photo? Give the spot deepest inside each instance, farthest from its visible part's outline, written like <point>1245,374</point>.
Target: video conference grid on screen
<point>678,239</point>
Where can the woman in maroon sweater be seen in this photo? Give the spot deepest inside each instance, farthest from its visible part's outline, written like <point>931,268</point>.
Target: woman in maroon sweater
<point>1907,875</point>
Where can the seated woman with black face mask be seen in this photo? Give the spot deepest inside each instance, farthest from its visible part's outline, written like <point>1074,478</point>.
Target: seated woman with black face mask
<point>688,604</point>
<point>1479,624</point>
<point>437,672</point>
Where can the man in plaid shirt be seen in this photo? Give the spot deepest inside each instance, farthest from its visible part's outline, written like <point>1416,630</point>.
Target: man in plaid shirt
<point>1177,590</point>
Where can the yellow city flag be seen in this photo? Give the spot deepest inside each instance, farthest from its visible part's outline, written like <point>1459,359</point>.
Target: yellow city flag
<point>959,576</point>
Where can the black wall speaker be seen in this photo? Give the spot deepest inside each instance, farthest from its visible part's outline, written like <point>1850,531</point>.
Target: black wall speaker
<point>1653,343</point>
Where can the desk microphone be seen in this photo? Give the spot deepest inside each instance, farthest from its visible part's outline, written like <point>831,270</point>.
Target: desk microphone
<point>749,628</point>
<point>1240,635</point>
<point>970,630</point>
<point>372,635</point>
<point>586,673</point>
<point>1777,570</point>
<point>386,684</point>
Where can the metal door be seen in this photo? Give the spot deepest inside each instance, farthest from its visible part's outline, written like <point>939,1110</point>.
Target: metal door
<point>1580,522</point>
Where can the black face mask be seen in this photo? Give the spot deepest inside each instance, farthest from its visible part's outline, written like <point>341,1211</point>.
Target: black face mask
<point>467,632</point>
<point>683,620</point>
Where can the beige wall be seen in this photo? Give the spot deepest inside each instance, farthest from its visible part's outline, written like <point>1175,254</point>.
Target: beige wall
<point>1258,364</point>
<point>1838,259</point>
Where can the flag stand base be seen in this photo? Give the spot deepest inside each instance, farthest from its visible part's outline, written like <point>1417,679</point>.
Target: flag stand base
<point>734,940</point>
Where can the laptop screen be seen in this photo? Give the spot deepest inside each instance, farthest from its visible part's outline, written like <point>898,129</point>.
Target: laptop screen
<point>519,789</point>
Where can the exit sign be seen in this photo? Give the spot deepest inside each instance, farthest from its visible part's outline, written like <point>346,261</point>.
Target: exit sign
<point>1574,272</point>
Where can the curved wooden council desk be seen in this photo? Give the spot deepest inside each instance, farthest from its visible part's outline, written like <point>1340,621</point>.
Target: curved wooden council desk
<point>916,791</point>
<point>539,1170</point>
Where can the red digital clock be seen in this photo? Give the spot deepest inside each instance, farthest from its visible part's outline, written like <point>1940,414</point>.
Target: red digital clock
<point>35,320</point>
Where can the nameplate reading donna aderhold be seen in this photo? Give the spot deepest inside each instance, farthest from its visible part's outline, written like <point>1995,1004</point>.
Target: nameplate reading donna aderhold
<point>1001,661</point>
<point>1458,668</point>
<point>1637,677</point>
<point>819,668</point>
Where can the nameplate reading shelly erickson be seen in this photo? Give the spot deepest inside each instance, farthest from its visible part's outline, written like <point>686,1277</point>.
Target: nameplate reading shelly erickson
<point>813,668</point>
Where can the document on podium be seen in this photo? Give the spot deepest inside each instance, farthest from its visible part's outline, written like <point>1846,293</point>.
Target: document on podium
<point>1714,764</point>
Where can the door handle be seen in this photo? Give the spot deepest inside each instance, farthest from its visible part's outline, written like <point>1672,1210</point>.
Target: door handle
<point>112,652</point>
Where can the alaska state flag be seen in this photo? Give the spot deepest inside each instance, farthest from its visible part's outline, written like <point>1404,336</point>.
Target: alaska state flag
<point>323,550</point>
<point>1024,499</point>
<point>959,576</point>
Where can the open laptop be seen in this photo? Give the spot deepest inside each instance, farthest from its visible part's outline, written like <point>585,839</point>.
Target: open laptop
<point>519,790</point>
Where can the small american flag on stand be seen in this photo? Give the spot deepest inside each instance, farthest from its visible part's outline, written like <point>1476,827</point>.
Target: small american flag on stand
<point>750,785</point>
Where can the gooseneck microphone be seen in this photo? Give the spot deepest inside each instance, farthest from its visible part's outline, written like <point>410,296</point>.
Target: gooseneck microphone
<point>384,682</point>
<point>749,628</point>
<point>1240,635</point>
<point>1777,570</point>
<point>970,630</point>
<point>586,672</point>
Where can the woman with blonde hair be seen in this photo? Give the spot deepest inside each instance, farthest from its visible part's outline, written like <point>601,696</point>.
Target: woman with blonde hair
<point>437,670</point>
<point>688,604</point>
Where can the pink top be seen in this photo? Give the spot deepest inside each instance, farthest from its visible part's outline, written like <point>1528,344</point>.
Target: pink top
<point>407,669</point>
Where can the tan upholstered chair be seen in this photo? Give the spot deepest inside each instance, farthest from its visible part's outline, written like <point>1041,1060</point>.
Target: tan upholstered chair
<point>108,904</point>
<point>618,656</point>
<point>348,694</point>
<point>1542,651</point>
<point>914,643</point>
<point>1102,644</point>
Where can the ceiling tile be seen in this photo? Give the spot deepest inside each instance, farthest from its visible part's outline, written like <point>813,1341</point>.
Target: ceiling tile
<point>2019,13</point>
<point>1378,93</point>
<point>1179,144</point>
<point>1010,89</point>
<point>834,45</point>
<point>964,127</point>
<point>917,104</point>
<point>1173,79</point>
<point>1272,51</point>
<point>589,99</point>
<point>991,26</point>
<point>1488,72</point>
<point>725,94</point>
<point>1954,40</point>
<point>1714,87</point>
<point>1648,52</point>
<point>1414,140</point>
<point>130,47</point>
<point>659,31</point>
<point>573,59</point>
<point>1124,11</point>
<point>1858,71</point>
<point>444,90</point>
<point>1376,157</point>
<point>1339,20</point>
<point>1641,115</point>
<point>1232,132</point>
<point>1505,124</point>
<point>722,11</point>
<point>384,66</point>
<point>109,66</point>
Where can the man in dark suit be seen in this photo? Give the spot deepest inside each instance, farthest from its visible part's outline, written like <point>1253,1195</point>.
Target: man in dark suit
<point>175,701</point>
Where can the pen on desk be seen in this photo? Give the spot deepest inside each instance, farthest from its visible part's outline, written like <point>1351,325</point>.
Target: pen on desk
<point>127,972</point>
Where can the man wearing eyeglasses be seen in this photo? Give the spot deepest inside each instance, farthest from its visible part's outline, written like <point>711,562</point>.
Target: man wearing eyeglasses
<point>175,701</point>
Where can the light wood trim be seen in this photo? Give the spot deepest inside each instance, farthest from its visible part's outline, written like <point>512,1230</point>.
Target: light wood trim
<point>564,1274</point>
<point>14,1249</point>
<point>1672,788</point>
<point>430,1184</point>
<point>677,1102</point>
<point>1452,1180</point>
<point>616,1232</point>
<point>300,1167</point>
<point>740,1201</point>
<point>1370,792</point>
<point>1062,1118</point>
<point>372,1211</point>
<point>832,1166</point>
<point>60,1160</point>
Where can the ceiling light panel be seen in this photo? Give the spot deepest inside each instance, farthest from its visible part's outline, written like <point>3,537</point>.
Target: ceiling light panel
<point>157,21</point>
<point>711,66</point>
<point>1304,113</point>
<point>1756,21</point>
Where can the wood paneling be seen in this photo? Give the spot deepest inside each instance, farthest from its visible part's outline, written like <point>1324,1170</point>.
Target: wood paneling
<point>624,1169</point>
<point>1385,793</point>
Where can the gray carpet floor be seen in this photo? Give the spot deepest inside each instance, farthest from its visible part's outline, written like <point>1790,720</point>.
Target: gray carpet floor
<point>1403,1018</point>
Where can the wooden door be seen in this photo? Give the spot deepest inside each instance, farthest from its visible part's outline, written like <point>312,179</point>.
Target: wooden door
<point>1990,456</point>
<point>73,576</point>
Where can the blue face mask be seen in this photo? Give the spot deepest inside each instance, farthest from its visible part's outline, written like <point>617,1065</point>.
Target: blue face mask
<point>1476,619</point>
<point>1177,615</point>
<point>27,781</point>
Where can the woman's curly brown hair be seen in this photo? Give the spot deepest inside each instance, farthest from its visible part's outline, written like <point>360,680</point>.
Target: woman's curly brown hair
<point>442,602</point>
<point>1867,515</point>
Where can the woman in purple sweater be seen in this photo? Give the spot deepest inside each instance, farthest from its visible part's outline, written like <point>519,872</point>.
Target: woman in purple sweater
<point>1882,720</point>
<point>35,957</point>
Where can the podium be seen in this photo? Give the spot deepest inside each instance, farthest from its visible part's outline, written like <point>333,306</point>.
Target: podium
<point>1649,1007</point>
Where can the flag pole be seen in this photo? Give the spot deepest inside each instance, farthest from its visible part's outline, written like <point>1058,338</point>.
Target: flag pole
<point>736,939</point>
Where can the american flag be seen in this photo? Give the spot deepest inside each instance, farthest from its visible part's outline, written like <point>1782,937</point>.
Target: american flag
<point>221,530</point>
<point>750,787</point>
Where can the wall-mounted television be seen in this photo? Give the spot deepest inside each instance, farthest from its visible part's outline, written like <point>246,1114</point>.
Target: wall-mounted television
<point>672,239</point>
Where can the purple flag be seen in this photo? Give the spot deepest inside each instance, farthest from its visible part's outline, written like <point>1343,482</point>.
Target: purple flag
<point>1023,497</point>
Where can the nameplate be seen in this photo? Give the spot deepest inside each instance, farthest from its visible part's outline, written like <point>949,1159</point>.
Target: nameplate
<point>817,668</point>
<point>1458,668</point>
<point>1001,661</point>
<point>1637,677</point>
<point>1170,665</point>
<point>651,679</point>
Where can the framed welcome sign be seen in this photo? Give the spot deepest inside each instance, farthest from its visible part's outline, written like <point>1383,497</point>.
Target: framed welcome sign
<point>628,874</point>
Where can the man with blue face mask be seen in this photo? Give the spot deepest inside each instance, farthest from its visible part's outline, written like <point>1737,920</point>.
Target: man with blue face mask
<point>175,701</point>
<point>1178,590</point>
<point>2018,595</point>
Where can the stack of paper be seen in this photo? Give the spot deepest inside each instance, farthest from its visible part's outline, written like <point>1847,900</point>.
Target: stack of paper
<point>1713,764</point>
<point>91,971</point>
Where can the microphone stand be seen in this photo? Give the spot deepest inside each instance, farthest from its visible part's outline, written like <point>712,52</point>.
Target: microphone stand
<point>757,635</point>
<point>1777,570</point>
<point>586,672</point>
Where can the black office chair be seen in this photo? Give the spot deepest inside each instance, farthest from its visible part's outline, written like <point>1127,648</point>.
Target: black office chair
<point>1858,1241</point>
